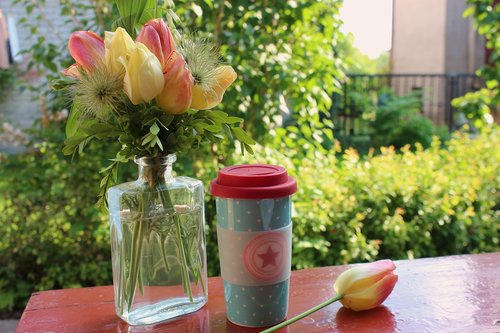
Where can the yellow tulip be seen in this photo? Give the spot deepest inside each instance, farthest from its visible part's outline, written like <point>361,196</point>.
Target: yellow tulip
<point>175,98</point>
<point>117,44</point>
<point>209,95</point>
<point>143,74</point>
<point>366,286</point>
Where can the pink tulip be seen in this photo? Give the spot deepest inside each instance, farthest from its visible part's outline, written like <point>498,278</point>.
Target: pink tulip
<point>87,48</point>
<point>366,286</point>
<point>178,89</point>
<point>157,37</point>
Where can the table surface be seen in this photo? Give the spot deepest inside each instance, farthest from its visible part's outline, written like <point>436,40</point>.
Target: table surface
<point>444,294</point>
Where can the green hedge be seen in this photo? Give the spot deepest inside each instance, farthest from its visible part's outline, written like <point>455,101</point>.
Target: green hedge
<point>397,205</point>
<point>348,209</point>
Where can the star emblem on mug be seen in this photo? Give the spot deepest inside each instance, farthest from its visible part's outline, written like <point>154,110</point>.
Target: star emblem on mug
<point>264,256</point>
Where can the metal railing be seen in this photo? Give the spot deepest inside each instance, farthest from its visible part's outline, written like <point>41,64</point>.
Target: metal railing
<point>437,91</point>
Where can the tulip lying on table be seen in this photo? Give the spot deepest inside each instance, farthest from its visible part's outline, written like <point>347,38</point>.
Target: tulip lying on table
<point>360,288</point>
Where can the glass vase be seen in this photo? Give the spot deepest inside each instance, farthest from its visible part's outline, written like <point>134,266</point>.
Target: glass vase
<point>157,244</point>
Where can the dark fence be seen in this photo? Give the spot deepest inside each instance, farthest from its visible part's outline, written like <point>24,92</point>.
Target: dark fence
<point>436,91</point>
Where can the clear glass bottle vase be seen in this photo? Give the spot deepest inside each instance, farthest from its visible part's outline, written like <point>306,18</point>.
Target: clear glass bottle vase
<point>157,244</point>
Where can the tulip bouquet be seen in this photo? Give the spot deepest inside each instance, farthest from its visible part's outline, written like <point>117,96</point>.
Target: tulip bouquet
<point>152,89</point>
<point>153,94</point>
<point>360,288</point>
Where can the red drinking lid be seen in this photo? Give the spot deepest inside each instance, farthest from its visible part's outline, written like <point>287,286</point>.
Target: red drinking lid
<point>253,181</point>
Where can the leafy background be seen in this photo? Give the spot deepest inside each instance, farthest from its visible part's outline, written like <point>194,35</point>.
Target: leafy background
<point>429,198</point>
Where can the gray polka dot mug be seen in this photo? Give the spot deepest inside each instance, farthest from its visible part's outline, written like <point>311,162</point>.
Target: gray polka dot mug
<point>254,232</point>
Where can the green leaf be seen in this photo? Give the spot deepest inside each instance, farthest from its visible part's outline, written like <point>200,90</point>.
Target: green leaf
<point>74,118</point>
<point>72,143</point>
<point>166,120</point>
<point>61,84</point>
<point>211,128</point>
<point>158,142</point>
<point>249,149</point>
<point>233,120</point>
<point>217,114</point>
<point>151,13</point>
<point>101,130</point>
<point>154,129</point>
<point>228,132</point>
<point>131,13</point>
<point>148,138</point>
<point>469,11</point>
<point>242,136</point>
<point>197,9</point>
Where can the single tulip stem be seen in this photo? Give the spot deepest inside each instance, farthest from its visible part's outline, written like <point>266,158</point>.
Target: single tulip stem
<point>303,314</point>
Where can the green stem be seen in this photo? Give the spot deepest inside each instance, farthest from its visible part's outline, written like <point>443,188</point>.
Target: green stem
<point>164,252</point>
<point>122,278</point>
<point>167,204</point>
<point>136,253</point>
<point>303,314</point>
<point>201,281</point>
<point>184,265</point>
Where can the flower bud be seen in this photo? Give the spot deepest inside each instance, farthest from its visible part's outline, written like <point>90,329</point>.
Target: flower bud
<point>366,286</point>
<point>209,94</point>
<point>87,48</point>
<point>177,92</point>
<point>118,44</point>
<point>143,78</point>
<point>157,37</point>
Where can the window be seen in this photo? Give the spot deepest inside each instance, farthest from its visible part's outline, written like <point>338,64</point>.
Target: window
<point>9,43</point>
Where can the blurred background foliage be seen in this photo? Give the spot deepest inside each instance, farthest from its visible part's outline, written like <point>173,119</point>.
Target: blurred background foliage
<point>7,78</point>
<point>477,106</point>
<point>428,198</point>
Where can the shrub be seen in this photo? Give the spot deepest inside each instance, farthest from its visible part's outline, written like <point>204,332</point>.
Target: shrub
<point>389,120</point>
<point>398,122</point>
<point>395,205</point>
<point>52,235</point>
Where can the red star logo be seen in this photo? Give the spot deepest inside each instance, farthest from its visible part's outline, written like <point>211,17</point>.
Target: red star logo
<point>269,257</point>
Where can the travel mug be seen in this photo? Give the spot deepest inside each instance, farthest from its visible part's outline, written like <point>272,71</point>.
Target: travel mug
<point>254,232</point>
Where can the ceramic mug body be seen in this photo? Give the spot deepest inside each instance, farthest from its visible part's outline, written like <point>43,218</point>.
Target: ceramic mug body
<point>254,239</point>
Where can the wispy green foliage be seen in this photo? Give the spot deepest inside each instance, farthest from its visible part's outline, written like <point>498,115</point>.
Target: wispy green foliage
<point>132,13</point>
<point>477,106</point>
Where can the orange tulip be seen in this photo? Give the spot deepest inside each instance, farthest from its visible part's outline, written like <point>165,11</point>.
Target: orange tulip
<point>87,48</point>
<point>177,91</point>
<point>363,287</point>
<point>209,95</point>
<point>72,71</point>
<point>366,286</point>
<point>157,37</point>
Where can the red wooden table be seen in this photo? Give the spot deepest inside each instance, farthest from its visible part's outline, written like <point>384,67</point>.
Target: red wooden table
<point>446,294</point>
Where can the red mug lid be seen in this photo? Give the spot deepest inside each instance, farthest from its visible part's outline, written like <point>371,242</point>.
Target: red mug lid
<point>253,181</point>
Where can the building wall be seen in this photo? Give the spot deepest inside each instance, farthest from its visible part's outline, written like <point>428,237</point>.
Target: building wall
<point>431,36</point>
<point>464,46</point>
<point>418,39</point>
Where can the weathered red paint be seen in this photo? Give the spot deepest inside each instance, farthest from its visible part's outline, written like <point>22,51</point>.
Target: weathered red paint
<point>446,294</point>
